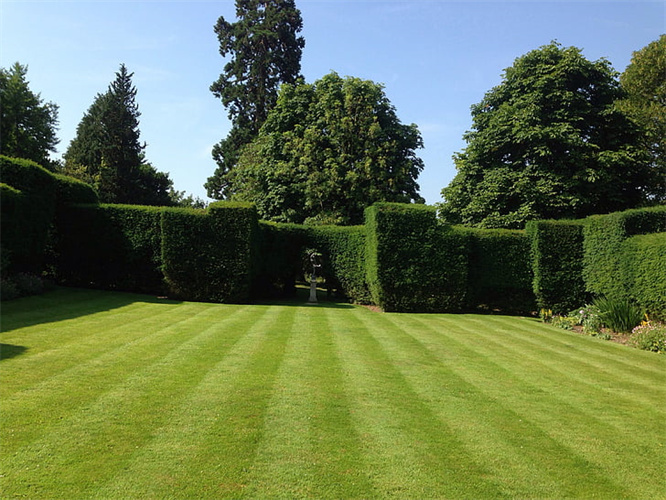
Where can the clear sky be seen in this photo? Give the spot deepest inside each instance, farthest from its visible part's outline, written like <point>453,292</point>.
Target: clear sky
<point>436,58</point>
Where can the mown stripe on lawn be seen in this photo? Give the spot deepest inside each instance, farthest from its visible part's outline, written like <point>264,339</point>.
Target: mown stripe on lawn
<point>519,443</point>
<point>208,442</point>
<point>310,448</point>
<point>137,398</point>
<point>404,440</point>
<point>528,386</point>
<point>112,357</point>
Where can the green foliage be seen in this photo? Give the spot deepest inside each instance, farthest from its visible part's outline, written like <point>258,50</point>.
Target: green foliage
<point>643,267</point>
<point>27,124</point>
<point>343,263</point>
<point>557,263</point>
<point>500,270</point>
<point>28,207</point>
<point>589,317</point>
<point>645,102</point>
<point>115,247</point>
<point>280,247</point>
<point>413,262</point>
<point>265,52</point>
<point>108,154</point>
<point>649,336</point>
<point>548,143</point>
<point>606,270</point>
<point>620,315</point>
<point>326,152</point>
<point>209,255</point>
<point>70,190</point>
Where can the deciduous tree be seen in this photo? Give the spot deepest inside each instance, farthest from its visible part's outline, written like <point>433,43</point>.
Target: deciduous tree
<point>644,81</point>
<point>327,151</point>
<point>548,142</point>
<point>28,125</point>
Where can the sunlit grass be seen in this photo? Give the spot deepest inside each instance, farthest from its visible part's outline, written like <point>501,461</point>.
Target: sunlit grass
<point>107,395</point>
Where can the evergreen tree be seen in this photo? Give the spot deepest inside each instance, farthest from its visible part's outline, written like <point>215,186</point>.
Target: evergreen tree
<point>265,52</point>
<point>108,154</point>
<point>27,124</point>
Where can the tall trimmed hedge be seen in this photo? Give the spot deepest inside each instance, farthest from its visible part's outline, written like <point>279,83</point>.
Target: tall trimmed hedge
<point>643,270</point>
<point>210,256</point>
<point>604,238</point>
<point>29,201</point>
<point>343,252</point>
<point>500,271</point>
<point>116,247</point>
<point>415,264</point>
<point>557,260</point>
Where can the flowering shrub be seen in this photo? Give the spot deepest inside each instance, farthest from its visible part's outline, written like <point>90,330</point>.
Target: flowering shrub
<point>589,317</point>
<point>650,336</point>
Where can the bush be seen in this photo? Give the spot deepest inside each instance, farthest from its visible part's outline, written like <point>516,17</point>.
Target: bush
<point>649,337</point>
<point>620,315</point>
<point>29,284</point>
<point>557,263</point>
<point>589,317</point>
<point>8,289</point>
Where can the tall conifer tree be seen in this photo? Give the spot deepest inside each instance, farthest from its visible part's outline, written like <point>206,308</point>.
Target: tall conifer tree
<point>108,153</point>
<point>265,52</point>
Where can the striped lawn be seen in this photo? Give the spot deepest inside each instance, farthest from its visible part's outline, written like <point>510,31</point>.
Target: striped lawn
<point>113,396</point>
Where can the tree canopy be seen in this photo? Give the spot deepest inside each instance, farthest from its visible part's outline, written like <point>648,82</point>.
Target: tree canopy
<point>27,124</point>
<point>107,151</point>
<point>548,142</point>
<point>644,81</point>
<point>265,52</point>
<point>327,151</point>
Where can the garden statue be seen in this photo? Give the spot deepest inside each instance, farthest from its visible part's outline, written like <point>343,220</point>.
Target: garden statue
<point>315,260</point>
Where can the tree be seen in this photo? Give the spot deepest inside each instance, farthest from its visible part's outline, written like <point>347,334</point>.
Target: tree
<point>108,154</point>
<point>644,81</point>
<point>27,124</point>
<point>265,52</point>
<point>327,151</point>
<point>548,142</point>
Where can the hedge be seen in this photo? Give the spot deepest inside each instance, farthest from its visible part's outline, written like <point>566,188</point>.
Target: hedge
<point>500,271</point>
<point>557,264</point>
<point>210,256</point>
<point>604,236</point>
<point>281,248</point>
<point>643,270</point>
<point>343,262</point>
<point>26,217</point>
<point>115,247</point>
<point>414,264</point>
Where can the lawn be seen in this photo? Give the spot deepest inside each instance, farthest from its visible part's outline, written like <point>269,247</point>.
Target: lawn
<point>110,395</point>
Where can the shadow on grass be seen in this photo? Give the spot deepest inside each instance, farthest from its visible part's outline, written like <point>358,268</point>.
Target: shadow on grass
<point>8,351</point>
<point>67,303</point>
<point>301,299</point>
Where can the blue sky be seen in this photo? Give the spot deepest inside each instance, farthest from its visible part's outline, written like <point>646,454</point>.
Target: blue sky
<point>435,58</point>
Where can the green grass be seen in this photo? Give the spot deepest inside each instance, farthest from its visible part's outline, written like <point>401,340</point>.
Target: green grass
<point>108,395</point>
